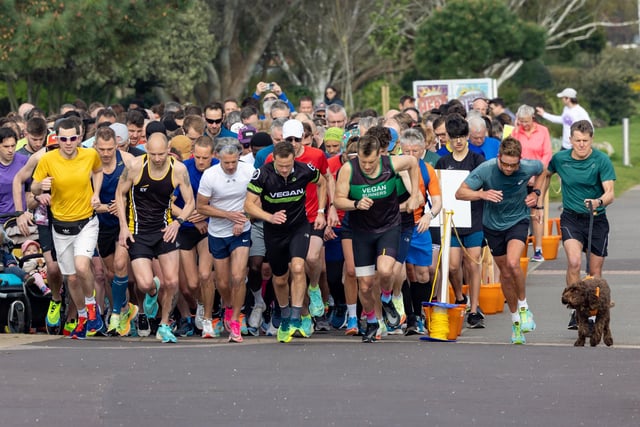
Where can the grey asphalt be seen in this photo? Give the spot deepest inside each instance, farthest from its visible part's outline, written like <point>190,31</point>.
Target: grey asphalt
<point>332,380</point>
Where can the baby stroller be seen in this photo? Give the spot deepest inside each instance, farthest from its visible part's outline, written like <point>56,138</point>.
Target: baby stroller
<point>23,308</point>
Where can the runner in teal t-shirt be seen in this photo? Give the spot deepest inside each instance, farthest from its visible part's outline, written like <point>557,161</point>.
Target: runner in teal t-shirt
<point>502,184</point>
<point>588,178</point>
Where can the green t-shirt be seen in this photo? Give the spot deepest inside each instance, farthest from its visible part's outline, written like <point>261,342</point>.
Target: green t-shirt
<point>582,179</point>
<point>512,209</point>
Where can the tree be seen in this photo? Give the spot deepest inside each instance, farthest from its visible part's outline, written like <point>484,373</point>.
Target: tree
<point>495,35</point>
<point>51,43</point>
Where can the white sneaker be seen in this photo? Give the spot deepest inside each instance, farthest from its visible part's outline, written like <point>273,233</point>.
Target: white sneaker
<point>255,318</point>
<point>207,329</point>
<point>199,316</point>
<point>272,331</point>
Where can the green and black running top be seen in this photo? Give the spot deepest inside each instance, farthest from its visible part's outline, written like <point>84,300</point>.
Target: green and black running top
<point>277,193</point>
<point>384,213</point>
<point>149,209</point>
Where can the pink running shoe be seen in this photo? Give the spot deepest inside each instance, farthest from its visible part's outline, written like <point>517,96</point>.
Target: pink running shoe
<point>234,333</point>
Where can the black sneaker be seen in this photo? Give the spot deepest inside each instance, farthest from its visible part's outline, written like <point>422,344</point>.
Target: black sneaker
<point>475,321</point>
<point>464,300</point>
<point>412,326</point>
<point>573,324</point>
<point>143,325</point>
<point>391,315</point>
<point>370,333</point>
<point>185,327</point>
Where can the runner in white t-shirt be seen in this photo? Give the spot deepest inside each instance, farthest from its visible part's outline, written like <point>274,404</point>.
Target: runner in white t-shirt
<point>221,196</point>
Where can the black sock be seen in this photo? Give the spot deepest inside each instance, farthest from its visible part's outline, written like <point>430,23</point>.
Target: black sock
<point>406,298</point>
<point>420,293</point>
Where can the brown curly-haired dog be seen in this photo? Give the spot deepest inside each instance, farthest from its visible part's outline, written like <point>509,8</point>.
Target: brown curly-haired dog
<point>590,297</point>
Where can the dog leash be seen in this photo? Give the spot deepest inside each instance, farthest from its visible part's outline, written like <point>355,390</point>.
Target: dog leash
<point>590,206</point>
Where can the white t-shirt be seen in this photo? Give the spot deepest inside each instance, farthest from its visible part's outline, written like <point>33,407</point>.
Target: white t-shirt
<point>227,193</point>
<point>569,116</point>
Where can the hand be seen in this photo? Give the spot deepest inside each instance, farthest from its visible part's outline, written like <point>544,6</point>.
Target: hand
<point>261,87</point>
<point>112,208</point>
<point>23,222</point>
<point>44,199</point>
<point>412,204</point>
<point>329,234</point>
<point>237,217</point>
<point>95,202</point>
<point>320,222</point>
<point>46,184</point>
<point>531,200</point>
<point>332,219</point>
<point>279,217</point>
<point>202,226</point>
<point>196,217</point>
<point>276,89</point>
<point>539,111</point>
<point>595,203</point>
<point>171,232</point>
<point>423,224</point>
<point>124,237</point>
<point>238,229</point>
<point>364,204</point>
<point>494,196</point>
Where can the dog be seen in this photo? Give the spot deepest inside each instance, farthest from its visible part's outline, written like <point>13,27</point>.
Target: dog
<point>590,297</point>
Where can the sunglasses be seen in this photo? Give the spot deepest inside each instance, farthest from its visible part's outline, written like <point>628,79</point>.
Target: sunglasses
<point>509,165</point>
<point>72,138</point>
<point>293,138</point>
<point>214,121</point>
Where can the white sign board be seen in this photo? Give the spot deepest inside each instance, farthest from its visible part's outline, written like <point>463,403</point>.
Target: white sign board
<point>450,181</point>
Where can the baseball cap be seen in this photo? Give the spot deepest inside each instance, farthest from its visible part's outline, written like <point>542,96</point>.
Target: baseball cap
<point>568,93</point>
<point>394,139</point>
<point>333,134</point>
<point>122,133</point>
<point>293,128</point>
<point>52,141</point>
<point>261,139</point>
<point>183,145</point>
<point>245,134</point>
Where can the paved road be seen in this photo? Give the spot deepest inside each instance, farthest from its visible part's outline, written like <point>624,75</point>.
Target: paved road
<point>332,380</point>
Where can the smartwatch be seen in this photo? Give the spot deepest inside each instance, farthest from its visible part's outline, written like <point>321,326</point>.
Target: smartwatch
<point>180,220</point>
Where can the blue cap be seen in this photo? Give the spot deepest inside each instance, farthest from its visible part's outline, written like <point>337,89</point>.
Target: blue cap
<point>394,139</point>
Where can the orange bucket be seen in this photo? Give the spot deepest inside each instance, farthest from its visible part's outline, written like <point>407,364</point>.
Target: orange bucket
<point>550,224</point>
<point>525,251</point>
<point>491,298</point>
<point>524,266</point>
<point>550,246</point>
<point>455,316</point>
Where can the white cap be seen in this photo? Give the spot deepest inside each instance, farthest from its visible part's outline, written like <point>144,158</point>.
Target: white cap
<point>568,93</point>
<point>122,133</point>
<point>292,128</point>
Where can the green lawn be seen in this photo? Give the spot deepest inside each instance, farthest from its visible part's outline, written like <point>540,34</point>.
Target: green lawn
<point>627,177</point>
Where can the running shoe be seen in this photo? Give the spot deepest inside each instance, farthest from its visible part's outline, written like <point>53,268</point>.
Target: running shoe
<point>284,331</point>
<point>165,335</point>
<point>185,327</point>
<point>338,317</point>
<point>412,326</point>
<point>322,324</point>
<point>316,306</point>
<point>382,330</point>
<point>352,326</point>
<point>475,321</point>
<point>53,315</point>
<point>526,320</point>
<point>270,330</point>
<point>69,327</point>
<point>80,332</point>
<point>114,325</point>
<point>234,334</point>
<point>421,325</point>
<point>125,319</point>
<point>199,315</point>
<point>144,330</point>
<point>370,334</point>
<point>151,302</point>
<point>243,325</point>
<point>307,325</point>
<point>573,323</point>
<point>207,329</point>
<point>295,326</point>
<point>94,319</point>
<point>398,303</point>
<point>391,315</point>
<point>228,314</point>
<point>537,256</point>
<point>255,318</point>
<point>395,331</point>
<point>218,327</point>
<point>517,337</point>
